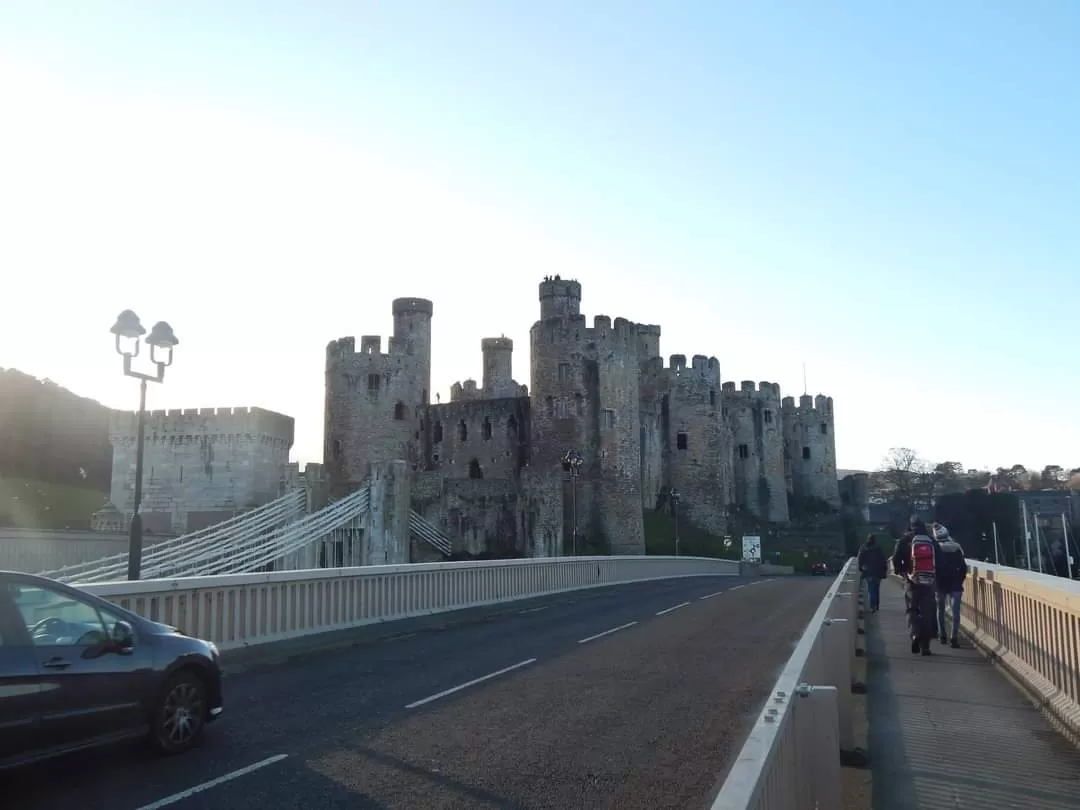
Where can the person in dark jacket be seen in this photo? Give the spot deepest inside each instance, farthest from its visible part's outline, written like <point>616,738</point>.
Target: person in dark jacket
<point>919,596</point>
<point>874,568</point>
<point>951,572</point>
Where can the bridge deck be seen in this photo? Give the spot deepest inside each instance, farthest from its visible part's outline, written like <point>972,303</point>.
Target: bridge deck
<point>950,731</point>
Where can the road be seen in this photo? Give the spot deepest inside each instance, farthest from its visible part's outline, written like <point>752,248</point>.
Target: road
<point>627,697</point>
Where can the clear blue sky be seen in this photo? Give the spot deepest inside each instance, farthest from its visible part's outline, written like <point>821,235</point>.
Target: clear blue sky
<point>888,192</point>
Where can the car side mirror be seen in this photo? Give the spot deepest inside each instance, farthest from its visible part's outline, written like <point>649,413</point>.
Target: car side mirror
<point>123,636</point>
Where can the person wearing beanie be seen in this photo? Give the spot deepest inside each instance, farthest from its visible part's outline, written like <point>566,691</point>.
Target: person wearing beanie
<point>952,571</point>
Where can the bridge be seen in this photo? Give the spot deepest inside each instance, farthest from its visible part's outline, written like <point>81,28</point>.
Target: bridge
<point>589,682</point>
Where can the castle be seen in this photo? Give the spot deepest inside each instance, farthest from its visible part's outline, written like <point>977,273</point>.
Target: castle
<point>487,466</point>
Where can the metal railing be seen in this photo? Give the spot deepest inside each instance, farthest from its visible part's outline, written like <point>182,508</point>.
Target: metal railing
<point>1029,623</point>
<point>241,610</point>
<point>791,760</point>
<point>244,528</point>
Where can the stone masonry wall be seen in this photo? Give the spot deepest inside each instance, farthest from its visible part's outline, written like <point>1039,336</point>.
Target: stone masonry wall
<point>373,400</point>
<point>755,424</point>
<point>586,393</point>
<point>696,440</point>
<point>810,448</point>
<point>200,466</point>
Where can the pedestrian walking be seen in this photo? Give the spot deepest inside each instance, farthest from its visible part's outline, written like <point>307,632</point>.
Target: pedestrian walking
<point>874,568</point>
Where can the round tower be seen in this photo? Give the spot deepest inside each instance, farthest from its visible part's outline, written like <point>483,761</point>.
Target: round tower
<point>754,422</point>
<point>373,398</point>
<point>585,397</point>
<point>559,298</point>
<point>810,448</point>
<point>498,378</point>
<point>412,338</point>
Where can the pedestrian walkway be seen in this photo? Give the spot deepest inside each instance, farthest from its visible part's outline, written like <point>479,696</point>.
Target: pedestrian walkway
<point>950,731</point>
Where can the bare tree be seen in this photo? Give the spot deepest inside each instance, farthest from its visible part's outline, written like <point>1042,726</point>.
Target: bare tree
<point>906,476</point>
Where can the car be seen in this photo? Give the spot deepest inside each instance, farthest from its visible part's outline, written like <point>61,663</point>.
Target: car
<point>77,672</point>
<point>820,569</point>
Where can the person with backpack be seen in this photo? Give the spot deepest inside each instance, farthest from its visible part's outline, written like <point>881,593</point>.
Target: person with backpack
<point>952,570</point>
<point>915,559</point>
<point>873,567</point>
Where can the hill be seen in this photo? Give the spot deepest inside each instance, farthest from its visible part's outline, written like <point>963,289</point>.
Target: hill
<point>55,457</point>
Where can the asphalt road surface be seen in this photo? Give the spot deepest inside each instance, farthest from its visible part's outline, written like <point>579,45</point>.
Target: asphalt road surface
<point>633,696</point>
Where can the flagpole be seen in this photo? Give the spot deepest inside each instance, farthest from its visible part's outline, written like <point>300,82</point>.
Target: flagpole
<point>1038,543</point>
<point>997,554</point>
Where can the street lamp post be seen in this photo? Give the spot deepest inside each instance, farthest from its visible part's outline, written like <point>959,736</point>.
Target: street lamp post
<point>572,463</point>
<point>675,512</point>
<point>161,340</point>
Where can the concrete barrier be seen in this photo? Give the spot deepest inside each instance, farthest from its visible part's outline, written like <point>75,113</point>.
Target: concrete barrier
<point>792,757</point>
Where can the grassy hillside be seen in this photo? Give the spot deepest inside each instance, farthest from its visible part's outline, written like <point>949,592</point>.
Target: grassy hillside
<point>31,504</point>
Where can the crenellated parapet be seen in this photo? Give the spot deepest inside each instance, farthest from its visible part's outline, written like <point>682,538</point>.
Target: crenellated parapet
<point>190,424</point>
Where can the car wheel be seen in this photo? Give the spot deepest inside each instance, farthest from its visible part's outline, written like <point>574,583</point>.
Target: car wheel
<point>180,716</point>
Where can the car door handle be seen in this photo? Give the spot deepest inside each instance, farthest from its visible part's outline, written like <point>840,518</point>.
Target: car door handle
<point>57,663</point>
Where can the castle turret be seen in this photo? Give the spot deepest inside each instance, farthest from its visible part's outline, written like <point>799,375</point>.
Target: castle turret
<point>559,298</point>
<point>498,378</point>
<point>585,391</point>
<point>373,398</point>
<point>696,441</point>
<point>810,448</point>
<point>757,458</point>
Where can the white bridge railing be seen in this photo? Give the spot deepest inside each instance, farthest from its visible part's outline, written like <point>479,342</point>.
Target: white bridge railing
<point>241,610</point>
<point>791,760</point>
<point>1029,623</point>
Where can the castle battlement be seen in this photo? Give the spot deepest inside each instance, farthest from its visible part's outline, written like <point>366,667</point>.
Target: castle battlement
<point>465,391</point>
<point>701,368</point>
<point>204,422</point>
<point>496,344</point>
<point>619,334</point>
<point>817,406</point>
<point>749,391</point>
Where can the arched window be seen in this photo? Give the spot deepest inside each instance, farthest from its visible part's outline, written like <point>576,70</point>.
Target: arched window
<point>474,469</point>
<point>399,411</point>
<point>436,433</point>
<point>462,431</point>
<point>487,428</point>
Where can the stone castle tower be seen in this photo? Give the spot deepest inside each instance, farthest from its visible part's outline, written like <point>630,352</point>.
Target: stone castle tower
<point>374,399</point>
<point>487,466</point>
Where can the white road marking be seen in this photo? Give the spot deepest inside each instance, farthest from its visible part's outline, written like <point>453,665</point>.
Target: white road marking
<point>711,595</point>
<point>668,610</point>
<point>184,794</point>
<point>532,610</point>
<point>473,682</point>
<point>607,632</point>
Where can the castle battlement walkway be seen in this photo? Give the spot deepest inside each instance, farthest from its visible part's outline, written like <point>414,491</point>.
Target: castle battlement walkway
<point>950,730</point>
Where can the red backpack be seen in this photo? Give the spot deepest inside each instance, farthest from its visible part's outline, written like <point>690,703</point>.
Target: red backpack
<point>922,557</point>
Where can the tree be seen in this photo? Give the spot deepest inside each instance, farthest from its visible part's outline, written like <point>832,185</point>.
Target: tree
<point>1052,477</point>
<point>906,475</point>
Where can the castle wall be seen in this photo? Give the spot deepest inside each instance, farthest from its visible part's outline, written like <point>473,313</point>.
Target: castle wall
<point>586,398</point>
<point>810,448</point>
<point>373,398</point>
<point>696,441</point>
<point>200,465</point>
<point>755,424</point>
<point>476,439</point>
<point>655,420</point>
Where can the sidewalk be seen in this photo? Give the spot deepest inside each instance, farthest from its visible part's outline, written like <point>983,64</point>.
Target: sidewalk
<point>949,731</point>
